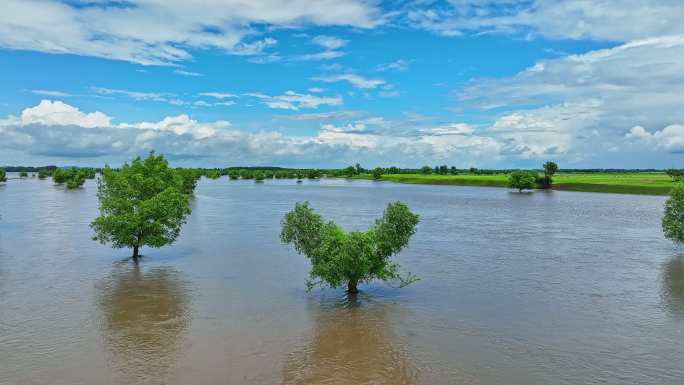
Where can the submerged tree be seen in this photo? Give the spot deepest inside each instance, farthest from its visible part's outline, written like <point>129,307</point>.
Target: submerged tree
<point>23,174</point>
<point>673,220</point>
<point>76,180</point>
<point>3,175</point>
<point>339,257</point>
<point>522,180</point>
<point>141,204</point>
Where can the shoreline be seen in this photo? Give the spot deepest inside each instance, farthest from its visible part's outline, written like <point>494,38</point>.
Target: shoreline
<point>500,182</point>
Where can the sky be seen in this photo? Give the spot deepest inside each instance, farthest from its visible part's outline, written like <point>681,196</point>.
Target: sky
<point>328,83</point>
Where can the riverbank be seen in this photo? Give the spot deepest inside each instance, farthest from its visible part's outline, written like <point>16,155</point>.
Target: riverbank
<point>655,183</point>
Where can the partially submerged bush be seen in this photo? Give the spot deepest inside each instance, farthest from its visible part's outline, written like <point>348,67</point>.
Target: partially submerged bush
<point>342,258</point>
<point>522,180</point>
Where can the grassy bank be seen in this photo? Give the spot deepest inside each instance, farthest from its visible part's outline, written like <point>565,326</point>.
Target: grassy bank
<point>655,183</point>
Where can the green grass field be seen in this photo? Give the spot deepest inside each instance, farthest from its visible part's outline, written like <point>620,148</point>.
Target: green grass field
<point>655,183</point>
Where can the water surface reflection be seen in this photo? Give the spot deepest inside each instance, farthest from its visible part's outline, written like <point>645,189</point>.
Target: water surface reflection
<point>144,317</point>
<point>352,342</point>
<point>673,285</point>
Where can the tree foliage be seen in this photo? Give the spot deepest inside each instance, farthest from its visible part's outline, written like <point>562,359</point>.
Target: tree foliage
<point>550,169</point>
<point>522,180</point>
<point>143,203</point>
<point>377,173</point>
<point>76,179</point>
<point>676,174</point>
<point>673,220</point>
<point>3,175</point>
<point>73,177</point>
<point>190,177</point>
<point>426,170</point>
<point>339,257</point>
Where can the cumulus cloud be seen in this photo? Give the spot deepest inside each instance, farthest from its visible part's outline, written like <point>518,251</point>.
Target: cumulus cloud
<point>353,79</point>
<point>56,129</point>
<point>670,138</point>
<point>583,103</point>
<point>162,31</point>
<point>61,114</point>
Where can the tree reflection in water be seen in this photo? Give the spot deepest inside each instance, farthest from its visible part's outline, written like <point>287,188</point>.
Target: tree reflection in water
<point>673,285</point>
<point>351,343</point>
<point>144,316</point>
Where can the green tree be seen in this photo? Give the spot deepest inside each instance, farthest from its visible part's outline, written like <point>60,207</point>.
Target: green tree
<point>76,179</point>
<point>3,175</point>
<point>141,204</point>
<point>550,169</point>
<point>190,177</point>
<point>342,258</point>
<point>673,220</point>
<point>522,180</point>
<point>377,173</point>
<point>675,174</point>
<point>43,173</point>
<point>60,176</point>
<point>23,174</point>
<point>350,171</point>
<point>426,170</point>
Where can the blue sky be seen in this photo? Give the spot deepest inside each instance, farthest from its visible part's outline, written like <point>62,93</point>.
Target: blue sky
<point>484,83</point>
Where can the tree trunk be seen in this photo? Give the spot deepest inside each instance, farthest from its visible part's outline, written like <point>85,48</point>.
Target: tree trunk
<point>135,252</point>
<point>351,287</point>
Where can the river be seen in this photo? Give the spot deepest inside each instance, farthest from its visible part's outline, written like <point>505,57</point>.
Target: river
<point>541,288</point>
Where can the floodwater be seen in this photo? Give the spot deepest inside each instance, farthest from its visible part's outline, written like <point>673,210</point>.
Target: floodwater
<point>543,288</point>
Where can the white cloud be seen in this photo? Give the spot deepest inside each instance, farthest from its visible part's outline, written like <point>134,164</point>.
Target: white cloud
<point>325,55</point>
<point>187,73</point>
<point>54,129</point>
<point>397,65</point>
<point>614,20</point>
<point>51,93</point>
<point>182,124</point>
<point>291,100</point>
<point>136,95</point>
<point>219,95</point>
<point>670,138</point>
<point>353,79</point>
<point>450,129</point>
<point>581,103</point>
<point>332,115</point>
<point>164,31</point>
<point>60,114</point>
<point>549,130</point>
<point>329,42</point>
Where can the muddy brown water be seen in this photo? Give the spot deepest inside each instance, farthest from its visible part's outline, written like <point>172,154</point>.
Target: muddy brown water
<point>543,288</point>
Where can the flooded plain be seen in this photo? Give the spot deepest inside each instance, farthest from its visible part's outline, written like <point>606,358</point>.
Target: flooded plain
<point>543,288</point>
